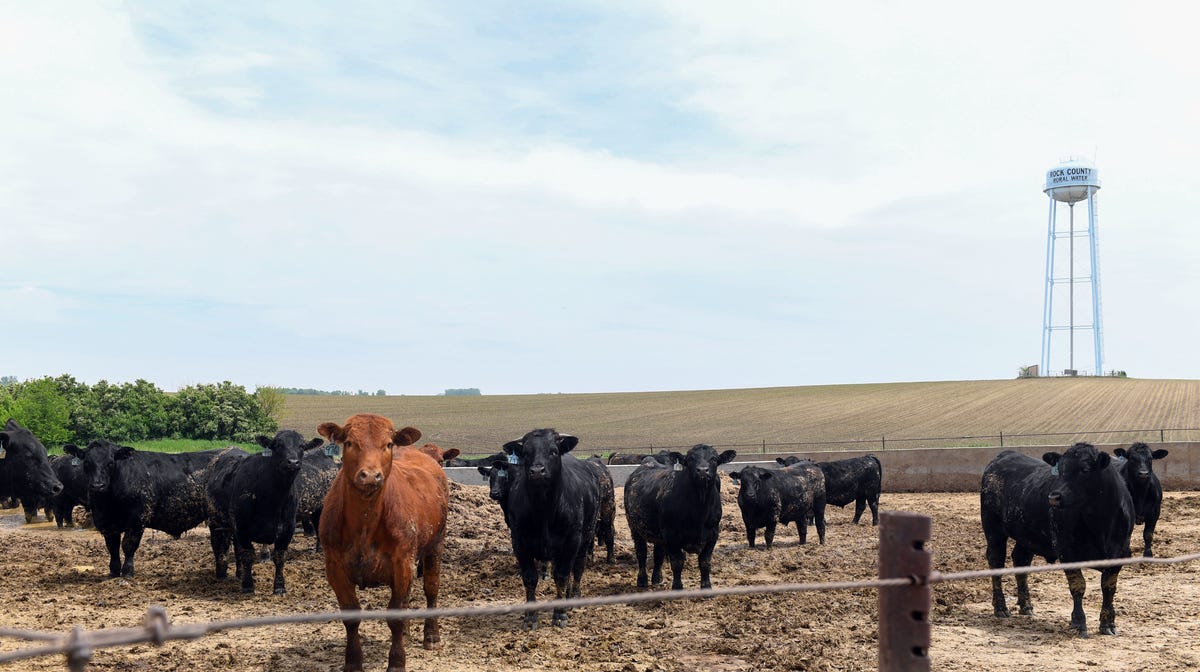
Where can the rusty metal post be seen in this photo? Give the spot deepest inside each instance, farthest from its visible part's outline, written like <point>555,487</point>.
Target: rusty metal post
<point>904,632</point>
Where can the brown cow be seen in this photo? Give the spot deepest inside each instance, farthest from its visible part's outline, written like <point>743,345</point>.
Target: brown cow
<point>385,510</point>
<point>435,451</point>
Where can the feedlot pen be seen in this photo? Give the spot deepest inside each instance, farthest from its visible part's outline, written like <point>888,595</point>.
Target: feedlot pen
<point>55,579</point>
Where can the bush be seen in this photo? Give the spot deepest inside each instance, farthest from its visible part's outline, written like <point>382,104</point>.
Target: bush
<point>40,407</point>
<point>224,411</point>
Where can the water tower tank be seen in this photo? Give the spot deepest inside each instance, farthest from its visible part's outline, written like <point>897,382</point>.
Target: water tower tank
<point>1068,182</point>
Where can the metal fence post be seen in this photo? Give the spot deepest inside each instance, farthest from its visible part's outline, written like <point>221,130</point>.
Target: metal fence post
<point>1001,438</point>
<point>904,631</point>
<point>883,442</point>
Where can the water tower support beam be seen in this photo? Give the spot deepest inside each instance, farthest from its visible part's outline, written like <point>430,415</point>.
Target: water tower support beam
<point>1048,303</point>
<point>1096,328</point>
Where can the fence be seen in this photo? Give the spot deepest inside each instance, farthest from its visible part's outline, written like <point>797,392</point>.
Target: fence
<point>998,440</point>
<point>904,585</point>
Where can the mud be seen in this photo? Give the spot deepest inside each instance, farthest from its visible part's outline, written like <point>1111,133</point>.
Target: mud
<point>55,579</point>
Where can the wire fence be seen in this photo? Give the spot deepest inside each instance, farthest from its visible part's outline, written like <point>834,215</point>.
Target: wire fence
<point>999,440</point>
<point>79,645</point>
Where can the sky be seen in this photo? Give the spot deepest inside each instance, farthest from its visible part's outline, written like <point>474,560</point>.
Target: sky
<point>588,196</point>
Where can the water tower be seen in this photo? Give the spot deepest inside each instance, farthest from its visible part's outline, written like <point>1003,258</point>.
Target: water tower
<point>1072,181</point>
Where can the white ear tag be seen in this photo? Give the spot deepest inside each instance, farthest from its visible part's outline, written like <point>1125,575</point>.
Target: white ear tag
<point>266,452</point>
<point>1054,470</point>
<point>75,461</point>
<point>675,466</point>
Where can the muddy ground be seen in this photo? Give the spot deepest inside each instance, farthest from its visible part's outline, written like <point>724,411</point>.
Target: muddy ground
<point>55,579</point>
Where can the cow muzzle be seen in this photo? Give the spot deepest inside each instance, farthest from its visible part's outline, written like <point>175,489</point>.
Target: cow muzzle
<point>368,481</point>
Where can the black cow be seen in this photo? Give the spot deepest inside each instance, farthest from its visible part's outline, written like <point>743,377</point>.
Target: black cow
<point>25,471</point>
<point>605,528</point>
<point>858,480</point>
<point>677,510</point>
<point>251,500</point>
<point>475,461</point>
<point>552,504</point>
<point>1071,507</point>
<point>69,469</point>
<point>500,475</point>
<point>1137,468</point>
<point>317,471</point>
<point>662,457</point>
<point>794,494</point>
<point>131,490</point>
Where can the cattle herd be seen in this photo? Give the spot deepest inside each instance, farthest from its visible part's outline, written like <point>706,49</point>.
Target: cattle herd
<point>379,513</point>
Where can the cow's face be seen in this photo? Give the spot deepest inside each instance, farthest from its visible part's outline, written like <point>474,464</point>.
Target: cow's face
<point>100,463</point>
<point>367,441</point>
<point>701,462</point>
<point>498,479</point>
<point>751,481</point>
<point>539,454</point>
<point>1140,460</point>
<point>286,450</point>
<point>1078,469</point>
<point>25,464</point>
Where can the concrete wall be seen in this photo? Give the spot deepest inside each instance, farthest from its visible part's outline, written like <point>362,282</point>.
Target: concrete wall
<point>938,469</point>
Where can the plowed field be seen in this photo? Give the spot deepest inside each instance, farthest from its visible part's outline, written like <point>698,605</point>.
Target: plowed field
<point>54,579</point>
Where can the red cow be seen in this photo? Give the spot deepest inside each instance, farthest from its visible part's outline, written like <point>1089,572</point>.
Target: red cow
<point>386,510</point>
<point>435,451</point>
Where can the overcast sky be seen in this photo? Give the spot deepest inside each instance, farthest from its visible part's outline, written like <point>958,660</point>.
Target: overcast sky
<point>585,197</point>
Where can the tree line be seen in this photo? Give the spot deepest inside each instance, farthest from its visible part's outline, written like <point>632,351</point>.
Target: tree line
<point>63,410</point>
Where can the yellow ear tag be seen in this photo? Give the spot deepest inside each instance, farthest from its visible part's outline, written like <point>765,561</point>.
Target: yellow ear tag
<point>3,453</point>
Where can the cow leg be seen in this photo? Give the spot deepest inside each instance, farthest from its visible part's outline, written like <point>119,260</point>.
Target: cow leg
<point>802,528</point>
<point>1108,614</point>
<point>639,550</point>
<point>431,582</point>
<point>819,518</point>
<point>997,543</point>
<point>751,532</point>
<point>704,559</point>
<point>769,534</point>
<point>562,589</point>
<point>112,540</point>
<point>860,505</point>
<point>277,556</point>
<point>245,556</point>
<point>610,540</point>
<point>316,523</point>
<point>402,575</point>
<point>1023,557</point>
<point>656,576</point>
<point>676,555</point>
<point>1148,537</point>
<point>133,539</point>
<point>30,507</point>
<point>219,539</point>
<point>347,600</point>
<point>529,577</point>
<point>1077,584</point>
<point>873,502</point>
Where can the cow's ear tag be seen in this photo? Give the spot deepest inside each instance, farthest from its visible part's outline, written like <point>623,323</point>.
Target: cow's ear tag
<point>512,458</point>
<point>266,452</point>
<point>3,453</point>
<point>675,466</point>
<point>1120,459</point>
<point>75,461</point>
<point>1054,470</point>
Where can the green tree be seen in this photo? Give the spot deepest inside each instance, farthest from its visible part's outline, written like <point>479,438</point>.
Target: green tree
<point>225,411</point>
<point>272,400</point>
<point>40,407</point>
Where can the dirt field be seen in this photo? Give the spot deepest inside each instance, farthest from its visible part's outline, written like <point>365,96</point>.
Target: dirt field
<point>53,580</point>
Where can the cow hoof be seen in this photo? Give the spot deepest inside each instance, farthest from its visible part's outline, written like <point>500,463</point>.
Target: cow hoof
<point>1002,613</point>
<point>1147,554</point>
<point>432,644</point>
<point>1026,611</point>
<point>1110,629</point>
<point>278,591</point>
<point>529,623</point>
<point>1082,630</point>
<point>560,620</point>
<point>247,589</point>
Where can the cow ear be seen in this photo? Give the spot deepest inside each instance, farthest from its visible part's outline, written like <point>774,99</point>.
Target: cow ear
<point>407,436</point>
<point>1051,458</point>
<point>263,440</point>
<point>123,452</point>
<point>513,446</point>
<point>1103,459</point>
<point>313,444</point>
<point>1159,454</point>
<point>11,425</point>
<point>566,442</point>
<point>735,476</point>
<point>485,470</point>
<point>676,457</point>
<point>451,454</point>
<point>74,450</point>
<point>781,461</point>
<point>726,456</point>
<point>3,439</point>
<point>766,476</point>
<point>1120,452</point>
<point>331,431</point>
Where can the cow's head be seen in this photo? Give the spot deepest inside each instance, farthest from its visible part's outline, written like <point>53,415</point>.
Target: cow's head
<point>24,465</point>
<point>701,462</point>
<point>498,479</point>
<point>440,456</point>
<point>1079,468</point>
<point>751,481</point>
<point>787,461</point>
<point>367,441</point>
<point>539,454</point>
<point>1140,460</point>
<point>287,449</point>
<point>100,463</point>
